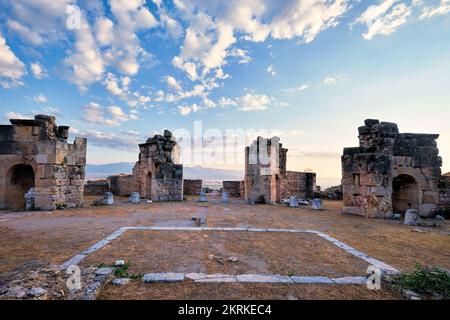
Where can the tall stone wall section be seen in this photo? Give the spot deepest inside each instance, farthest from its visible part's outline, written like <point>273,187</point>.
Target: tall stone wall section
<point>123,184</point>
<point>233,188</point>
<point>391,172</point>
<point>35,158</point>
<point>298,184</point>
<point>158,173</point>
<point>444,194</point>
<point>192,187</point>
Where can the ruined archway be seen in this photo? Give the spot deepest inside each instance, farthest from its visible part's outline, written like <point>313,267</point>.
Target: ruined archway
<point>20,178</point>
<point>405,193</point>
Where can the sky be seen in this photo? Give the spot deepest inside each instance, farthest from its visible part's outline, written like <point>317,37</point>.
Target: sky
<point>217,73</point>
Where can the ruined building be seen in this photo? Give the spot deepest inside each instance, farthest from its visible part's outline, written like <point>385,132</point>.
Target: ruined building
<point>35,159</point>
<point>266,178</point>
<point>391,172</point>
<point>158,172</point>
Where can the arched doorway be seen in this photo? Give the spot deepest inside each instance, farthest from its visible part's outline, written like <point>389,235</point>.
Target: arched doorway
<point>405,193</point>
<point>148,184</point>
<point>20,178</point>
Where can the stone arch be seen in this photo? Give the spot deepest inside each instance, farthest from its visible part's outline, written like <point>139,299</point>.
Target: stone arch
<point>20,178</point>
<point>405,193</point>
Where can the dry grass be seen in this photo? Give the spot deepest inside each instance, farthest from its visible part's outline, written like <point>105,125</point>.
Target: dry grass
<point>33,238</point>
<point>281,253</point>
<point>237,291</point>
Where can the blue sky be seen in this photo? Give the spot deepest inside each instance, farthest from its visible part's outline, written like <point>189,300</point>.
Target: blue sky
<point>309,71</point>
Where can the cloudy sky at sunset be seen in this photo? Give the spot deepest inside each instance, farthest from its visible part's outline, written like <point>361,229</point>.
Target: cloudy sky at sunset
<point>310,71</point>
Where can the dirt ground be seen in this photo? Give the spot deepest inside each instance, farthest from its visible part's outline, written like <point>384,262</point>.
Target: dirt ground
<point>33,239</point>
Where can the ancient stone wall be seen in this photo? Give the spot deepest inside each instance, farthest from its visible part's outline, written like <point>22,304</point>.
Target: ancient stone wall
<point>157,173</point>
<point>444,194</point>
<point>35,158</point>
<point>265,161</point>
<point>96,187</point>
<point>123,184</point>
<point>391,172</point>
<point>233,188</point>
<point>192,187</point>
<point>299,184</point>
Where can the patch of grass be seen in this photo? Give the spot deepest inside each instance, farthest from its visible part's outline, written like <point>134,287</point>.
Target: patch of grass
<point>424,280</point>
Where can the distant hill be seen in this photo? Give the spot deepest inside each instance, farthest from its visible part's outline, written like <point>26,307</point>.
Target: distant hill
<point>97,171</point>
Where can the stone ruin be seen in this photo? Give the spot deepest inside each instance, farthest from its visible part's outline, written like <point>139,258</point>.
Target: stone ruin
<point>158,172</point>
<point>391,172</point>
<point>157,175</point>
<point>233,188</point>
<point>192,187</point>
<point>444,195</point>
<point>266,178</point>
<point>37,160</point>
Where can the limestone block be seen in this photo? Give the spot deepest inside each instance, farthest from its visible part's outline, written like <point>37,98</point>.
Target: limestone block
<point>135,197</point>
<point>293,202</point>
<point>412,217</point>
<point>317,204</point>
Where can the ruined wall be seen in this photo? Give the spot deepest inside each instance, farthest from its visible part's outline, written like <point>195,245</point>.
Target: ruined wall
<point>35,155</point>
<point>157,173</point>
<point>299,184</point>
<point>391,172</point>
<point>444,194</point>
<point>265,161</point>
<point>192,187</point>
<point>96,187</point>
<point>123,184</point>
<point>233,188</point>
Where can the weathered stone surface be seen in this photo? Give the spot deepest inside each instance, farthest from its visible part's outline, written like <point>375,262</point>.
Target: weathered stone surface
<point>123,184</point>
<point>36,154</point>
<point>192,187</point>
<point>96,187</point>
<point>135,198</point>
<point>120,281</point>
<point>266,179</point>
<point>233,188</point>
<point>163,277</point>
<point>104,271</point>
<point>391,172</point>
<point>412,217</point>
<point>317,204</point>
<point>261,278</point>
<point>225,197</point>
<point>36,292</point>
<point>293,202</point>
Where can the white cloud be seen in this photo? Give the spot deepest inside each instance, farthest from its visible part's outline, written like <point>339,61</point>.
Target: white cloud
<point>384,18</point>
<point>11,67</point>
<point>185,110</point>
<point>296,89</point>
<point>37,70</point>
<point>431,11</point>
<point>86,62</point>
<point>14,115</point>
<point>95,113</point>
<point>25,33</point>
<point>173,83</point>
<point>271,70</point>
<point>40,98</point>
<point>104,31</point>
<point>243,55</point>
<point>254,102</point>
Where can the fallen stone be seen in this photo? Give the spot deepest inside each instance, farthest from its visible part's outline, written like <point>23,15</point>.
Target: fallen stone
<point>411,295</point>
<point>36,292</point>
<point>418,230</point>
<point>119,263</point>
<point>163,277</point>
<point>302,279</point>
<point>412,217</point>
<point>17,292</point>
<point>202,197</point>
<point>210,257</point>
<point>317,204</point>
<point>135,198</point>
<point>233,259</point>
<point>225,197</point>
<point>108,198</point>
<point>439,217</point>
<point>293,202</point>
<point>104,271</point>
<point>121,281</point>
<point>397,216</point>
<point>260,278</point>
